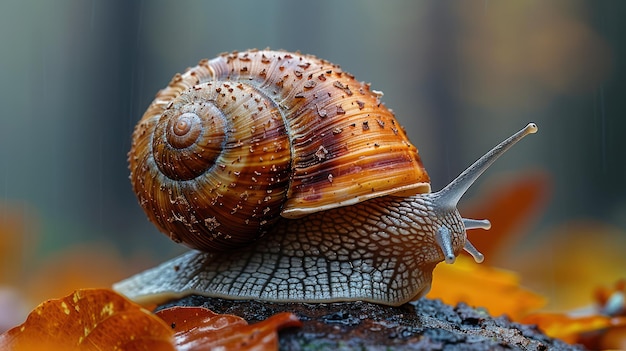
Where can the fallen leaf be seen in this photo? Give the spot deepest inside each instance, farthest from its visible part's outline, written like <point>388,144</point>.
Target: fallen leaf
<point>479,285</point>
<point>571,261</point>
<point>572,329</point>
<point>198,328</point>
<point>612,339</point>
<point>90,319</point>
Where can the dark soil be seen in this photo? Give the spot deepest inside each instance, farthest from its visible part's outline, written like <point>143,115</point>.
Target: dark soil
<point>422,325</point>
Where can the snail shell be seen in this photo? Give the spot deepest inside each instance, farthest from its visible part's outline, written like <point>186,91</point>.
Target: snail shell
<point>237,141</point>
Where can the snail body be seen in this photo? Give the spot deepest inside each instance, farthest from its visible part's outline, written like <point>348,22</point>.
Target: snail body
<point>299,169</point>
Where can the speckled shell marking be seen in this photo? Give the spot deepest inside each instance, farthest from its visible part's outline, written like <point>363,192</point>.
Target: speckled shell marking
<point>236,141</point>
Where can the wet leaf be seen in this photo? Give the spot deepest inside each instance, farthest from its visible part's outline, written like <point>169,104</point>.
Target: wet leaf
<point>612,339</point>
<point>91,319</point>
<point>575,329</point>
<point>571,261</point>
<point>564,327</point>
<point>197,328</point>
<point>600,326</point>
<point>478,285</point>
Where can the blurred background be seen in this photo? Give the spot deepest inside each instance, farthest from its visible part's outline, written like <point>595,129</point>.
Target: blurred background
<point>76,76</point>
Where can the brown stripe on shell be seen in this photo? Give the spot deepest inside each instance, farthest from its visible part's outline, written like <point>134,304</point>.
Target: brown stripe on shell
<point>300,136</point>
<point>330,114</point>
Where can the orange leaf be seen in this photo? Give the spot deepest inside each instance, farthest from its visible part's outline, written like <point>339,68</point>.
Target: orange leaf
<point>198,328</point>
<point>612,339</point>
<point>571,329</point>
<point>90,319</point>
<point>571,261</point>
<point>479,285</point>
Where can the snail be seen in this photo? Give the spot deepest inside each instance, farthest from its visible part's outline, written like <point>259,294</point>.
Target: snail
<point>292,182</point>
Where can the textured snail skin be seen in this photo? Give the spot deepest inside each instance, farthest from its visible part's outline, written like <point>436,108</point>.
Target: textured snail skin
<point>366,251</point>
<point>351,215</point>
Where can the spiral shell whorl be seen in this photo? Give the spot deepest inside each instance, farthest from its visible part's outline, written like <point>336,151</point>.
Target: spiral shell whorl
<point>216,178</point>
<point>236,141</point>
<point>188,138</point>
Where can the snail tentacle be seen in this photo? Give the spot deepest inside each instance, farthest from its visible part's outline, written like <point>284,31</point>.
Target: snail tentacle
<point>447,198</point>
<point>470,249</point>
<point>452,193</point>
<point>476,224</point>
<point>444,239</point>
